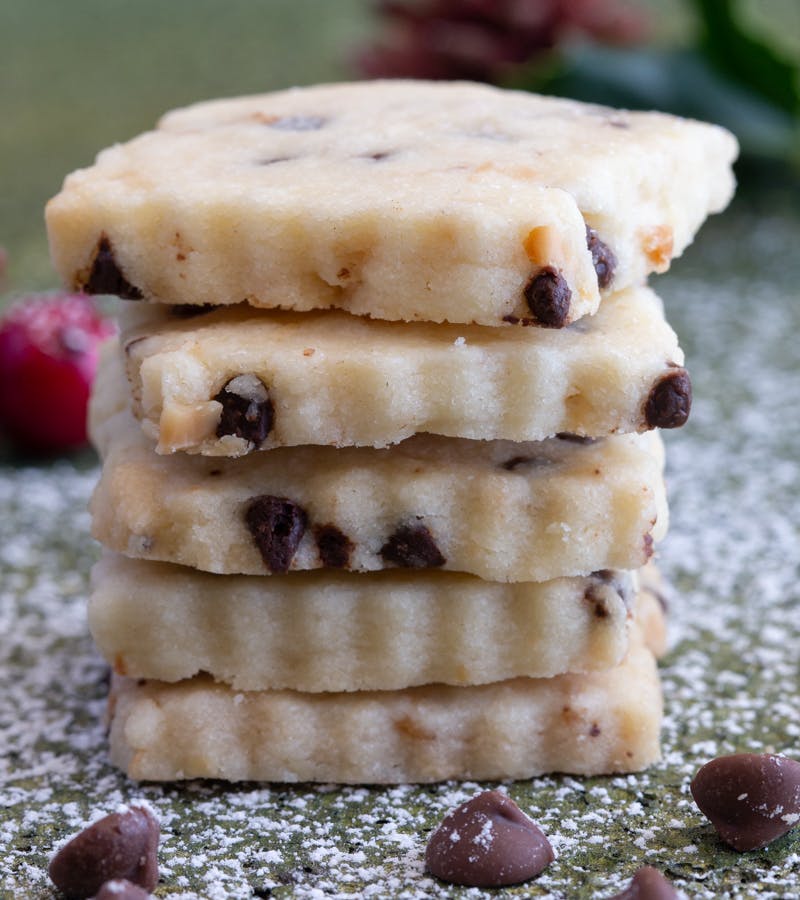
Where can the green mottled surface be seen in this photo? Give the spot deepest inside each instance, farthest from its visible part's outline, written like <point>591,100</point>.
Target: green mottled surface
<point>731,679</point>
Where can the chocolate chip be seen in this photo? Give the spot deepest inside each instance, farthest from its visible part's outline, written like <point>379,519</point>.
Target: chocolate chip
<point>247,411</point>
<point>670,400</point>
<point>618,581</point>
<point>413,547</point>
<point>750,798</point>
<point>648,884</point>
<point>298,123</point>
<point>121,845</point>
<point>595,597</point>
<point>548,297</point>
<point>487,842</point>
<point>334,546</point>
<point>106,277</point>
<point>603,258</point>
<point>576,438</point>
<point>277,526</point>
<point>191,310</point>
<point>121,889</point>
<point>534,462</point>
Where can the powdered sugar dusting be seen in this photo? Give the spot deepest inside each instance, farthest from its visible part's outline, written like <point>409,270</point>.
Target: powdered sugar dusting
<point>731,678</point>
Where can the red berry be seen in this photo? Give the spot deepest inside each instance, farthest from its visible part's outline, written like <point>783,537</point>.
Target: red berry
<point>48,357</point>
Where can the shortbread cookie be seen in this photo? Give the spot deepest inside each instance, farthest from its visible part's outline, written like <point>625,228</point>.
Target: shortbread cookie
<point>597,723</point>
<point>503,511</point>
<point>397,200</point>
<point>340,631</point>
<point>239,379</point>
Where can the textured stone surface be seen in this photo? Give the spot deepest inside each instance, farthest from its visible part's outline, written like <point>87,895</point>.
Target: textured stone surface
<point>730,681</point>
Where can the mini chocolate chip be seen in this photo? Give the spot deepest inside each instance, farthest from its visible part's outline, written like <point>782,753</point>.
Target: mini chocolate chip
<point>594,731</point>
<point>548,297</point>
<point>670,400</point>
<point>576,438</point>
<point>750,798</point>
<point>298,123</point>
<point>334,546</point>
<point>121,845</point>
<point>618,581</point>
<point>487,842</point>
<point>247,410</point>
<point>534,462</point>
<point>191,310</point>
<point>603,258</point>
<point>648,884</point>
<point>413,547</point>
<point>106,277</point>
<point>121,889</point>
<point>277,525</point>
<point>594,596</point>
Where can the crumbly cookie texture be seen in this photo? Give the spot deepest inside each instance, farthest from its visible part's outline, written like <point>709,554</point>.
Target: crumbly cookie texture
<point>500,510</point>
<point>339,631</point>
<point>237,379</point>
<point>399,200</point>
<point>586,724</point>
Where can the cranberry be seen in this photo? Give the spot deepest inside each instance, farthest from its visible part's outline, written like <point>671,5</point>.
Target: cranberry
<point>48,358</point>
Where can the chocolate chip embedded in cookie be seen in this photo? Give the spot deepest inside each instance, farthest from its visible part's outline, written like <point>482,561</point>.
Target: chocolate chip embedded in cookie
<point>247,410</point>
<point>277,526</point>
<point>750,798</point>
<point>413,547</point>
<point>120,845</point>
<point>670,400</point>
<point>487,842</point>
<point>334,546</point>
<point>105,276</point>
<point>603,258</point>
<point>548,297</point>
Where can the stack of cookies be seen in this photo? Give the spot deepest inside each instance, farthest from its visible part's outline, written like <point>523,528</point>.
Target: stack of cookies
<point>382,471</point>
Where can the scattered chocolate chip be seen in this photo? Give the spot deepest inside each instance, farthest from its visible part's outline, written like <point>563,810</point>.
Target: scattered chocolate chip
<point>487,842</point>
<point>298,123</point>
<point>413,547</point>
<point>594,731</point>
<point>603,258</point>
<point>533,462</point>
<point>277,526</point>
<point>191,310</point>
<point>121,845</point>
<point>548,297</point>
<point>121,889</point>
<point>576,438</point>
<point>106,277</point>
<point>334,546</point>
<point>670,400</point>
<point>648,884</point>
<point>618,581</point>
<point>247,411</point>
<point>750,798</point>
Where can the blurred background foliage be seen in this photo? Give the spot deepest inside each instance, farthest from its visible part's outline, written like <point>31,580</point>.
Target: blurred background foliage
<point>79,75</point>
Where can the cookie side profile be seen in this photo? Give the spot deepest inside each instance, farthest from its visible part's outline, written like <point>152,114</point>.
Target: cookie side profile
<point>581,724</point>
<point>398,200</point>
<point>338,631</point>
<point>233,380</point>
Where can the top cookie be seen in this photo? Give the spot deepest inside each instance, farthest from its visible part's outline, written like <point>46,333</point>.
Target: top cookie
<point>400,200</point>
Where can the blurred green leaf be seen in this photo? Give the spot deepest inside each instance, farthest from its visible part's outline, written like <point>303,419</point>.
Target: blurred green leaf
<point>677,81</point>
<point>744,58</point>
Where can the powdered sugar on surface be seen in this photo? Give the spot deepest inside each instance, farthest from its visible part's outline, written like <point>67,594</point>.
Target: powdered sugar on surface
<point>731,679</point>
